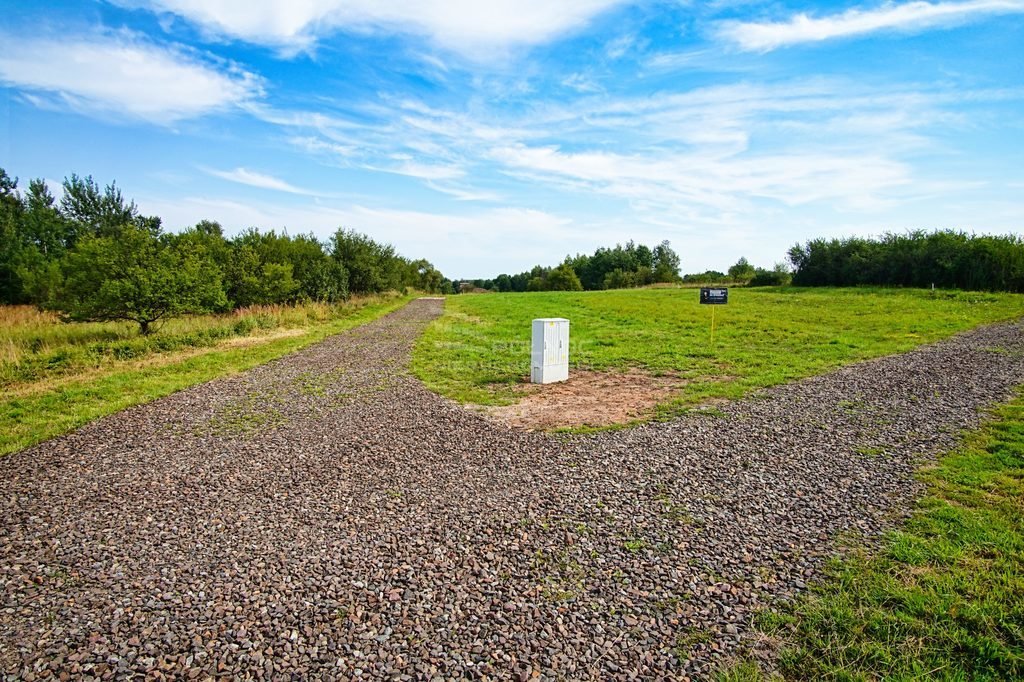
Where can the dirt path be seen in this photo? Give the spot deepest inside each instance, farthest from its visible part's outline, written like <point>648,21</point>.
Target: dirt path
<point>325,516</point>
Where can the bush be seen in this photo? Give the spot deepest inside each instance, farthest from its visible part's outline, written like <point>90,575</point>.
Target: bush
<point>769,278</point>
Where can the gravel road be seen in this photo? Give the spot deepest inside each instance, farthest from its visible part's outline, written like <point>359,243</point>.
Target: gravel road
<point>325,516</point>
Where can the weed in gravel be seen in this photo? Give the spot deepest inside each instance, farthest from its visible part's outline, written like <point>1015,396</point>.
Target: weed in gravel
<point>1009,352</point>
<point>669,605</point>
<point>63,578</point>
<point>871,451</point>
<point>312,385</point>
<point>690,638</point>
<point>635,545</point>
<point>252,414</point>
<point>562,576</point>
<point>672,510</point>
<point>851,406</point>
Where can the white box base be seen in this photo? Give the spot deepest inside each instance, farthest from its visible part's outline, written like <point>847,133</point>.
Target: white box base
<point>549,374</point>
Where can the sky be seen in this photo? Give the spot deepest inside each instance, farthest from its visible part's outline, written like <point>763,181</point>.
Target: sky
<point>489,137</point>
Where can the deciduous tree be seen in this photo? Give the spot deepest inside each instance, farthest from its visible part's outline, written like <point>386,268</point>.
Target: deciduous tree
<point>137,276</point>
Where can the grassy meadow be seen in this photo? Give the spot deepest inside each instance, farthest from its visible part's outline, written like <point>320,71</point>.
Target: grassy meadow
<point>55,377</point>
<point>480,348</point>
<point>942,599</point>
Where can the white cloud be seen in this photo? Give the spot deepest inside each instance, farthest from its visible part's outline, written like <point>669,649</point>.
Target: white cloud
<point>710,154</point>
<point>703,155</point>
<point>316,145</point>
<point>123,75</point>
<point>424,171</point>
<point>673,180</point>
<point>616,48</point>
<point>243,176</point>
<point>463,194</point>
<point>910,16</point>
<point>471,27</point>
<point>581,83</point>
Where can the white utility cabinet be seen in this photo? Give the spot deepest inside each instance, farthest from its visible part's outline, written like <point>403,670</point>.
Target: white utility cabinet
<point>549,356</point>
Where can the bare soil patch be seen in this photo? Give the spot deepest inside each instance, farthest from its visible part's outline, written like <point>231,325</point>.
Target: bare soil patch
<point>588,398</point>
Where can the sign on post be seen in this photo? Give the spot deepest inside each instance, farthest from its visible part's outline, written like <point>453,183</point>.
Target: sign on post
<point>714,296</point>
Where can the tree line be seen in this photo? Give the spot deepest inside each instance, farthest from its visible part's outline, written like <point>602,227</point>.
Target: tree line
<point>93,257</point>
<point>946,258</point>
<point>743,273</point>
<point>621,267</point>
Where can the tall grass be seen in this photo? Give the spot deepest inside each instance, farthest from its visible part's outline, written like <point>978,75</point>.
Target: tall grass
<point>36,346</point>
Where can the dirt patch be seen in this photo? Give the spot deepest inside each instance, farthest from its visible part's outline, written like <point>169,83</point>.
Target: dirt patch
<point>588,398</point>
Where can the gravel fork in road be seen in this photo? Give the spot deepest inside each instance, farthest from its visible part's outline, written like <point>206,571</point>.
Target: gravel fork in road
<point>324,516</point>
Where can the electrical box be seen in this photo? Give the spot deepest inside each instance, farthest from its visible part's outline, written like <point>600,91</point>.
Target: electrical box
<point>549,355</point>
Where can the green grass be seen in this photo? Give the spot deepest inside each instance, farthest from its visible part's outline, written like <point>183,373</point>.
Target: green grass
<point>942,599</point>
<point>479,349</point>
<point>56,402</point>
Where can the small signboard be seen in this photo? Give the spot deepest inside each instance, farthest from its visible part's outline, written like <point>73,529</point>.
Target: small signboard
<point>714,296</point>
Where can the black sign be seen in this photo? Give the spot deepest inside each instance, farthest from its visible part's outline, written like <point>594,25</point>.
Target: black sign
<point>712,296</point>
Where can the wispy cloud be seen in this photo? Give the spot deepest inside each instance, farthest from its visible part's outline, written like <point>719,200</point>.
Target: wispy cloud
<point>663,180</point>
<point>463,194</point>
<point>581,83</point>
<point>910,16</point>
<point>318,146</point>
<point>407,165</point>
<point>244,176</point>
<point>124,75</point>
<point>616,48</point>
<point>700,153</point>
<point>475,29</point>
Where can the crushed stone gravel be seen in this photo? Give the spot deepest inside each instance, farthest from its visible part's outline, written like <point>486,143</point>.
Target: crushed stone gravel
<point>325,516</point>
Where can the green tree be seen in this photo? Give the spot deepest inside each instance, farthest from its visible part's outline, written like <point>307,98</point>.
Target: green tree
<point>372,267</point>
<point>429,278</point>
<point>666,263</point>
<point>101,214</point>
<point>326,281</point>
<point>945,258</point>
<point>777,276</point>
<point>563,278</point>
<point>620,279</point>
<point>44,227</point>
<point>250,281</point>
<point>742,271</point>
<point>139,277</point>
<point>11,217</point>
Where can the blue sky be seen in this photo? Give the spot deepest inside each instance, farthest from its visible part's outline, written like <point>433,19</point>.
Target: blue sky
<point>492,136</point>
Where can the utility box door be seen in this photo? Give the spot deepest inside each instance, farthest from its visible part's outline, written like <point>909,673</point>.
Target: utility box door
<point>563,343</point>
<point>549,356</point>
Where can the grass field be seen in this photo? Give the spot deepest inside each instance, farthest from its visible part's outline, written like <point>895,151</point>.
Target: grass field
<point>56,377</point>
<point>480,348</point>
<point>943,598</point>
